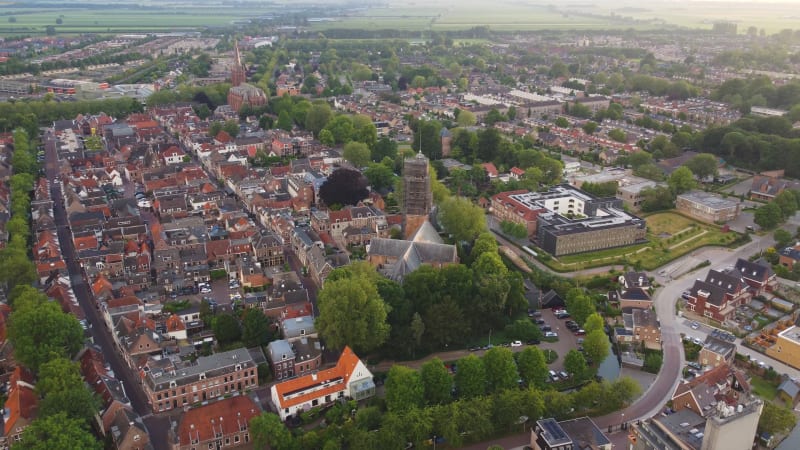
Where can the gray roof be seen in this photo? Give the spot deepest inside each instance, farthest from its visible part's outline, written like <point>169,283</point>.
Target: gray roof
<point>218,362</point>
<point>789,387</point>
<point>299,326</point>
<point>410,255</point>
<point>280,350</point>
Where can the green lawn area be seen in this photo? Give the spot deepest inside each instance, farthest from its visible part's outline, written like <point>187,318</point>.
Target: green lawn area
<point>681,235</point>
<point>763,388</point>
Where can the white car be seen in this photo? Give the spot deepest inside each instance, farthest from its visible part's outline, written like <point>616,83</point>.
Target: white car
<point>550,334</point>
<point>516,344</point>
<point>205,290</point>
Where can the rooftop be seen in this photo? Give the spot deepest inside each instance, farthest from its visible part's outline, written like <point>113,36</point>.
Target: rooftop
<point>710,200</point>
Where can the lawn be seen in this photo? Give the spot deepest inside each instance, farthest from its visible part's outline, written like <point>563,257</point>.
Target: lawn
<point>669,236</point>
<point>763,388</point>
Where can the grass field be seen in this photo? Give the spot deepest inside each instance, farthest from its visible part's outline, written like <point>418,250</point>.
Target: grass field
<point>681,235</point>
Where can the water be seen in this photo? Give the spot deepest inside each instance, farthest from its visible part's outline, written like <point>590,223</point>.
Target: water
<point>609,368</point>
<point>792,442</point>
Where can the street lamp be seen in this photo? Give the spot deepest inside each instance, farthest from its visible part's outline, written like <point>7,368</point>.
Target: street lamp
<point>623,421</point>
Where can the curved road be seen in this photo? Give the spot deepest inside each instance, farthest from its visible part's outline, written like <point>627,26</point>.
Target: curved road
<point>660,391</point>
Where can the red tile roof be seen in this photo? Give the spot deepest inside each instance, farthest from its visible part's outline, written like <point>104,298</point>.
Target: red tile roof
<point>225,416</point>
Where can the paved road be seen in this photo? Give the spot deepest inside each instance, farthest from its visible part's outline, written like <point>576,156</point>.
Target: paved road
<point>660,391</point>
<point>157,426</point>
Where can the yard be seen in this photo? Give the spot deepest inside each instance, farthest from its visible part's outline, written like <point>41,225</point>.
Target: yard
<point>669,236</point>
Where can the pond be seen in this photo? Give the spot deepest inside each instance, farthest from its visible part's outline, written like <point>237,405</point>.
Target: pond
<point>609,369</point>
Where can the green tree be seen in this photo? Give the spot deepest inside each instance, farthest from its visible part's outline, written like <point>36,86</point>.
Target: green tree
<point>776,419</point>
<point>590,127</point>
<point>492,286</point>
<point>357,153</point>
<point>580,110</point>
<point>57,431</point>
<point>575,364</point>
<point>318,117</point>
<point>562,122</point>
<point>768,216</point>
<point>436,381</point>
<point>285,121</point>
<point>351,312</point>
<point>341,128</point>
<point>227,329</point>
<point>466,119</point>
<point>703,165</point>
<point>268,430</point>
<point>40,331</point>
<point>485,243</point>
<point>652,362</point>
<point>523,330</point>
<point>579,305</point>
<point>417,328</point>
<point>596,346</point>
<point>364,130</point>
<point>593,322</point>
<point>657,198</point>
<point>787,201</point>
<point>61,385</point>
<point>404,389</point>
<point>16,269</point>
<point>618,135</point>
<point>379,176</point>
<point>256,328</point>
<point>326,138</point>
<point>681,180</point>
<point>782,238</point>
<point>385,148</point>
<point>470,377</point>
<point>533,367</point>
<point>501,371</point>
<point>214,128</point>
<point>462,218</point>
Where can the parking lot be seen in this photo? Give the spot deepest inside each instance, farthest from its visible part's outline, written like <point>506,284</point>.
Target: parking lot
<point>566,339</point>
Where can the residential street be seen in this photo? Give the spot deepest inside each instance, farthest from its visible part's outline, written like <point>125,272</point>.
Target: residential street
<point>158,427</point>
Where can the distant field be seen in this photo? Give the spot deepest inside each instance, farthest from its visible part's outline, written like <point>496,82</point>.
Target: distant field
<point>116,19</point>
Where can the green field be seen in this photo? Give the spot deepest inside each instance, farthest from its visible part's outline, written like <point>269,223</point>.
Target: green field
<point>685,236</point>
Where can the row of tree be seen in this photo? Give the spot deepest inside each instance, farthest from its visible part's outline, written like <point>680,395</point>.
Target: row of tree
<point>44,338</point>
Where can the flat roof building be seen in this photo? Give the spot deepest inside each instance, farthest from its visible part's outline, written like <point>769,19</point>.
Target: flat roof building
<point>708,207</point>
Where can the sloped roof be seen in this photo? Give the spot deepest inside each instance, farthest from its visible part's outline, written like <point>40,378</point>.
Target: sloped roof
<point>342,371</point>
<point>224,416</point>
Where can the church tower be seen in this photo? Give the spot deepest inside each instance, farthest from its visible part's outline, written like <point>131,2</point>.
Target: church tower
<point>238,75</point>
<point>417,195</point>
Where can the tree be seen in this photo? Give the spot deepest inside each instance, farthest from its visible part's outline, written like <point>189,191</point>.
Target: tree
<point>57,431</point>
<point>681,180</point>
<point>364,130</point>
<point>787,201</point>
<point>417,330</point>
<point>379,175</point>
<point>61,385</point>
<point>40,331</point>
<point>268,430</point>
<point>590,127</point>
<point>618,135</point>
<point>580,110</point>
<point>658,198</point>
<point>470,377</point>
<point>357,153</point>
<point>318,117</point>
<point>501,371</point>
<point>256,328</point>
<point>437,383</point>
<point>351,312</point>
<point>404,389</point>
<point>214,129</point>
<point>593,322</point>
<point>344,187</point>
<point>384,148</point>
<point>768,216</point>
<point>226,329</point>
<point>775,419</point>
<point>652,362</point>
<point>703,165</point>
<point>579,305</point>
<point>285,121</point>
<point>462,218</point>
<point>562,122</point>
<point>16,269</point>
<point>532,367</point>
<point>466,119</point>
<point>485,243</point>
<point>575,364</point>
<point>782,238</point>
<point>341,128</point>
<point>523,330</point>
<point>596,346</point>
<point>492,287</point>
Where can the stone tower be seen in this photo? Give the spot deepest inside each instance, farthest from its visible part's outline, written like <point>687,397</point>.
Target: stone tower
<point>417,196</point>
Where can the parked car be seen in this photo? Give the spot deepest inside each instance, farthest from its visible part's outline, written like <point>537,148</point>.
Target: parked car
<point>695,325</point>
<point>546,328</point>
<point>205,290</point>
<point>533,342</point>
<point>550,334</point>
<point>516,344</point>
<point>580,332</point>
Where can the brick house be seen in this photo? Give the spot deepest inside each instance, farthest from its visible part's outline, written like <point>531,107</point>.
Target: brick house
<point>718,296</point>
<point>716,352</point>
<point>217,425</point>
<point>757,274</point>
<point>640,326</point>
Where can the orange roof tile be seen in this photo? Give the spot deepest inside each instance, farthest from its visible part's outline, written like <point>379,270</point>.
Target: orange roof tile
<point>343,369</point>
